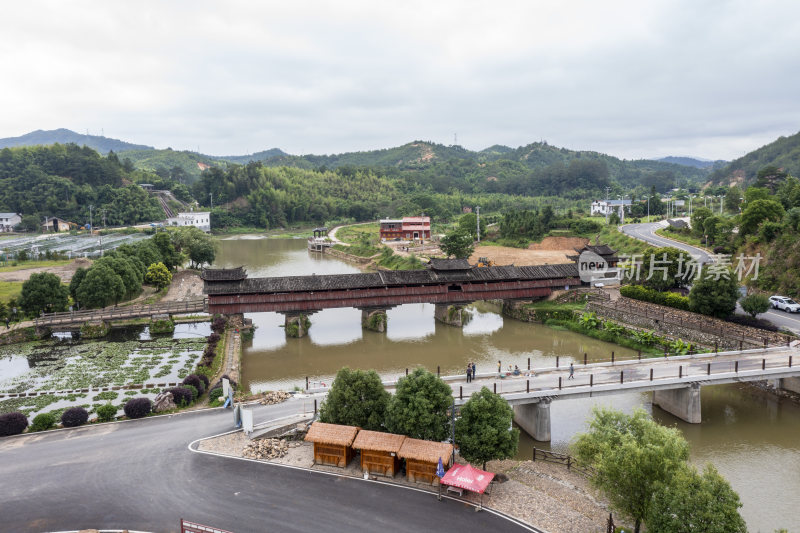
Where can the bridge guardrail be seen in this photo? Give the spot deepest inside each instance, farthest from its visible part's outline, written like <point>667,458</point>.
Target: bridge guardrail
<point>111,313</point>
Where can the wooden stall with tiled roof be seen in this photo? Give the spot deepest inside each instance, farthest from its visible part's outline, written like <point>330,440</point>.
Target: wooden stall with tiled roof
<point>422,458</point>
<point>379,451</point>
<point>332,443</point>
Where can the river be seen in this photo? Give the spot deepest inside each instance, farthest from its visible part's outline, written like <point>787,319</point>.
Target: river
<point>753,439</point>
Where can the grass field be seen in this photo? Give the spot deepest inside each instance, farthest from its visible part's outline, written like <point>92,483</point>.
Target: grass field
<point>21,265</point>
<point>686,239</point>
<point>354,234</point>
<point>620,242</point>
<point>9,289</point>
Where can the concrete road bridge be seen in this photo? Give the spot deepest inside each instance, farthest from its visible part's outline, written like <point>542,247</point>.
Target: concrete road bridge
<point>450,284</point>
<point>74,319</point>
<point>675,382</point>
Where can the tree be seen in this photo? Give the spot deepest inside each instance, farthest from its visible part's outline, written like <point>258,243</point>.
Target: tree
<point>75,282</point>
<point>714,297</point>
<point>419,407</point>
<point>757,212</point>
<point>694,502</point>
<point>469,224</point>
<point>457,244</point>
<point>28,223</point>
<point>754,304</point>
<point>43,292</point>
<point>733,199</point>
<point>356,398</point>
<point>101,287</point>
<point>484,430</point>
<point>201,253</point>
<point>158,275</point>
<point>171,257</point>
<point>699,217</point>
<point>632,456</point>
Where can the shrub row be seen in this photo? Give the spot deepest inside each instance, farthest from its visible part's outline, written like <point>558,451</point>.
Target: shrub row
<point>670,299</point>
<point>759,323</point>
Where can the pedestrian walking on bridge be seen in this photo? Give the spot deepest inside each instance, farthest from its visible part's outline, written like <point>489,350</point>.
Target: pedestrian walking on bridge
<point>469,372</point>
<point>571,371</point>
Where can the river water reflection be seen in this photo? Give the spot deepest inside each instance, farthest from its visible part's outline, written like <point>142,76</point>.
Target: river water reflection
<point>753,439</point>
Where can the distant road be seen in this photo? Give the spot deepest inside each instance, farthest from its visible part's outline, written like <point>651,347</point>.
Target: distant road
<point>646,232</point>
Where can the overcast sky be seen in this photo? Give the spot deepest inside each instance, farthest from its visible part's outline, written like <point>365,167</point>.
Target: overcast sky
<point>634,79</point>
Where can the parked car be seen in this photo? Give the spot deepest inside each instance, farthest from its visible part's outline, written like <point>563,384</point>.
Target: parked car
<point>784,303</point>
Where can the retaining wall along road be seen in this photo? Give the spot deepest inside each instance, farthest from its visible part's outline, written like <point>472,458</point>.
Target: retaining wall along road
<point>686,325</point>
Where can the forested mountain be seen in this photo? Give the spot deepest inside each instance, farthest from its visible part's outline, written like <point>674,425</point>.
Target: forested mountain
<point>183,166</point>
<point>692,162</point>
<point>782,153</point>
<point>65,136</point>
<point>258,156</point>
<point>64,180</point>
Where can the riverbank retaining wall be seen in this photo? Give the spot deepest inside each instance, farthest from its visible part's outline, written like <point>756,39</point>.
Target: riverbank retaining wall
<point>686,325</point>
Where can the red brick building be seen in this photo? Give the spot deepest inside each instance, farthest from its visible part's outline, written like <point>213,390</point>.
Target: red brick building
<point>407,228</point>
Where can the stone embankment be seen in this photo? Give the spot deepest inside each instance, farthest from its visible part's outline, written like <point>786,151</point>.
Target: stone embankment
<point>685,325</point>
<point>350,258</point>
<point>271,398</point>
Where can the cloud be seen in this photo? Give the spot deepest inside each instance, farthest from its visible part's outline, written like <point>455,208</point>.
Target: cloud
<point>635,79</point>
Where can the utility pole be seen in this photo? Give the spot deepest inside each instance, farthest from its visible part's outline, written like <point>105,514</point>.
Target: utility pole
<point>101,235</point>
<point>91,226</point>
<point>212,200</point>
<point>478,209</point>
<point>606,208</point>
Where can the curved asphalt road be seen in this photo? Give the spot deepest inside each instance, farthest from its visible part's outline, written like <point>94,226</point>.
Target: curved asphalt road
<point>646,232</point>
<point>140,475</point>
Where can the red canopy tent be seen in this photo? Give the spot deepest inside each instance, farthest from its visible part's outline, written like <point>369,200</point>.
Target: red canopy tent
<point>469,478</point>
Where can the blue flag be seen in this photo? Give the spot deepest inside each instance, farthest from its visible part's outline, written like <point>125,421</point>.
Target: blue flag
<point>440,469</point>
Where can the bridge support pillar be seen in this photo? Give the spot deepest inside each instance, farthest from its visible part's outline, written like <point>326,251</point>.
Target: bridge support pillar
<point>683,403</point>
<point>534,418</point>
<point>790,384</point>
<point>374,319</point>
<point>452,315</point>
<point>235,320</point>
<point>296,325</point>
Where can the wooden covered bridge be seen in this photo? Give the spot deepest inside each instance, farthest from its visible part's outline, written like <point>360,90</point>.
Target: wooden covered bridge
<point>448,283</point>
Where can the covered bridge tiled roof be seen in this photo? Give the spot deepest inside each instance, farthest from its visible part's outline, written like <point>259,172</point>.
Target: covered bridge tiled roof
<point>383,279</point>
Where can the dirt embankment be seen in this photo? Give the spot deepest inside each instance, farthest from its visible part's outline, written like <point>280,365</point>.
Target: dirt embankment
<point>551,251</point>
<point>64,272</point>
<point>186,285</point>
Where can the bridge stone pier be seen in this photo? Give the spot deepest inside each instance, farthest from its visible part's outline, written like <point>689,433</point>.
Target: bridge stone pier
<point>789,384</point>
<point>534,418</point>
<point>451,314</point>
<point>296,324</point>
<point>374,319</point>
<point>683,403</point>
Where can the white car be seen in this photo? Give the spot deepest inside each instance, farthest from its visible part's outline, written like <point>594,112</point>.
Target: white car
<point>784,303</point>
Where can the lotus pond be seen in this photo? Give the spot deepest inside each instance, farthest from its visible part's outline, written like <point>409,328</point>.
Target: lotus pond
<point>64,368</point>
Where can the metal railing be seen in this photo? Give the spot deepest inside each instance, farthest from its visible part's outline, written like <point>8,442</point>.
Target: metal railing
<point>117,313</point>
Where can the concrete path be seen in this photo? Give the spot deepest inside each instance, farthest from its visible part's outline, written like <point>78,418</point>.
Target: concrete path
<point>140,475</point>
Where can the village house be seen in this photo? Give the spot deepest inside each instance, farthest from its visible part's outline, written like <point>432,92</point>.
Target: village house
<point>57,225</point>
<point>199,219</point>
<point>8,221</point>
<point>406,228</point>
<point>606,207</point>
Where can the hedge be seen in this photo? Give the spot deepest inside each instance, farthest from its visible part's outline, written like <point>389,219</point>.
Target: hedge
<point>12,424</point>
<point>74,416</point>
<point>196,382</point>
<point>669,299</point>
<point>182,396</point>
<point>138,407</point>
<point>43,421</point>
<point>106,413</point>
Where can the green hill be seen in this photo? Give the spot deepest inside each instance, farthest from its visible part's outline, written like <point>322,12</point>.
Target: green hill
<point>165,162</point>
<point>782,153</point>
<point>65,136</point>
